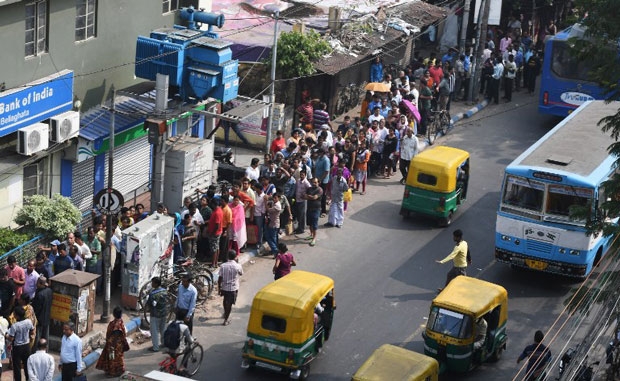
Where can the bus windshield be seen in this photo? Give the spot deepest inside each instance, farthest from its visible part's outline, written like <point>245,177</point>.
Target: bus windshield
<point>565,65</point>
<point>524,193</point>
<point>450,323</point>
<point>562,198</point>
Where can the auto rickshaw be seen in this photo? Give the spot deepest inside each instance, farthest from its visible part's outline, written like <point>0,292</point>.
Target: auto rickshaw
<point>389,362</point>
<point>289,321</point>
<point>436,183</point>
<point>452,334</point>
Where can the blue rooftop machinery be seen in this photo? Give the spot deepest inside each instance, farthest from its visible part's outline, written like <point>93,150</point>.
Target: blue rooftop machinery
<point>197,62</point>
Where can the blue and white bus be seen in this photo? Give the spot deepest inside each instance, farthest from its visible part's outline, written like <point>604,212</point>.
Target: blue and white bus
<point>564,83</point>
<point>563,169</point>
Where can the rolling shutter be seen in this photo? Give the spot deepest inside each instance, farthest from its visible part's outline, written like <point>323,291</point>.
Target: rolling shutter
<point>132,168</point>
<point>82,184</point>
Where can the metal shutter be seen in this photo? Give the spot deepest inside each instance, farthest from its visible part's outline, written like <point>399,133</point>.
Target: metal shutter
<point>82,184</point>
<point>132,168</point>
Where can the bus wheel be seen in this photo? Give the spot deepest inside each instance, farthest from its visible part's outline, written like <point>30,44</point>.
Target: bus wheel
<point>446,221</point>
<point>497,354</point>
<point>597,259</point>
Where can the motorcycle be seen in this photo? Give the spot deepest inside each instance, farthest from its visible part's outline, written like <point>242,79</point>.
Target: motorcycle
<point>565,361</point>
<point>224,155</point>
<point>585,371</point>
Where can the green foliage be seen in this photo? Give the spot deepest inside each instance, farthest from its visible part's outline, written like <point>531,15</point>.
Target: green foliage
<point>53,217</point>
<point>599,51</point>
<point>10,239</point>
<point>297,52</point>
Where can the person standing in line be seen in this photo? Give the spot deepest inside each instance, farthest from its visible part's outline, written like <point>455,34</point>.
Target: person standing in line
<point>301,204</point>
<point>4,328</point>
<point>409,147</point>
<point>321,171</point>
<point>7,293</point>
<point>42,306</point>
<point>538,355</point>
<point>214,230</point>
<point>284,261</point>
<point>498,73</point>
<point>158,304</point>
<point>313,195</point>
<point>511,73</point>
<point>31,277</point>
<point>458,257</point>
<point>253,172</point>
<point>228,283</point>
<point>273,226</point>
<point>41,363</point>
<point>70,353</point>
<point>17,274</point>
<point>186,299</point>
<point>336,210</point>
<point>19,334</point>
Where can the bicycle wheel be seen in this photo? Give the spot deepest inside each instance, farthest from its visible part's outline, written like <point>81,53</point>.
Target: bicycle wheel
<point>445,122</point>
<point>204,286</point>
<point>172,304</point>
<point>431,131</point>
<point>192,360</point>
<point>143,296</point>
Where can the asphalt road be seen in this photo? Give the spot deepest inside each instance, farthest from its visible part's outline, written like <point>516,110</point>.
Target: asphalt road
<point>385,271</point>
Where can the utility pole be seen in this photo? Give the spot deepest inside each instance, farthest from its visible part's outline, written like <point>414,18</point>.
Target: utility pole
<point>107,257</point>
<point>156,140</point>
<point>465,25</point>
<point>483,18</point>
<point>272,93</point>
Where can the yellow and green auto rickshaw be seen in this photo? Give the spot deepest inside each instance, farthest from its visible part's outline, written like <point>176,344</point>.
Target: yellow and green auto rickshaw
<point>436,183</point>
<point>453,335</point>
<point>289,321</point>
<point>389,362</point>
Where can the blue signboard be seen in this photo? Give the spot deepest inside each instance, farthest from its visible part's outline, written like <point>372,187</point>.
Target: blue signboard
<point>36,101</point>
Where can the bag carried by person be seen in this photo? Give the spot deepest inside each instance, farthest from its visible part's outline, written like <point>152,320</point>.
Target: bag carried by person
<point>172,335</point>
<point>348,195</point>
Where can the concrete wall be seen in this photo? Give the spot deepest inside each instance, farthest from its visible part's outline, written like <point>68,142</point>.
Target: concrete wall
<point>119,22</point>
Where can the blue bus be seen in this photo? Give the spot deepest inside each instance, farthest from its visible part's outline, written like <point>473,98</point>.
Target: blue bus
<point>563,169</point>
<point>564,84</point>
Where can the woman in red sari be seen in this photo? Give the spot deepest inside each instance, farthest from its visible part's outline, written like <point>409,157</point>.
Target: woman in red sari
<point>112,359</point>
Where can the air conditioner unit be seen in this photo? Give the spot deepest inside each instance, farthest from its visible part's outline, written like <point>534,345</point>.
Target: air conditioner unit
<point>32,139</point>
<point>64,126</point>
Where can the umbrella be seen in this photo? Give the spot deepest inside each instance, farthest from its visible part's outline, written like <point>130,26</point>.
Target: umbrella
<point>412,109</point>
<point>377,86</point>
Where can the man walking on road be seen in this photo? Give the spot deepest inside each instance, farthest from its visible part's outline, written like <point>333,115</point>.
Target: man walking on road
<point>186,299</point>
<point>70,353</point>
<point>538,356</point>
<point>458,257</point>
<point>228,283</point>
<point>41,364</point>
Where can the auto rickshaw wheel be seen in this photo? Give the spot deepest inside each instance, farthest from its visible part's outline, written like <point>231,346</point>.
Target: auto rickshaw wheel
<point>446,221</point>
<point>497,354</point>
<point>305,372</point>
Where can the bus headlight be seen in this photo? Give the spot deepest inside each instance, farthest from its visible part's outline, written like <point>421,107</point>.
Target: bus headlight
<point>505,238</point>
<point>562,250</point>
<point>574,252</point>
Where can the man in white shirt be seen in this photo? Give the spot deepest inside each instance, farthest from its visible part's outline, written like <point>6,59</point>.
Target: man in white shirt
<point>41,364</point>
<point>228,283</point>
<point>31,278</point>
<point>70,353</point>
<point>409,147</point>
<point>84,249</point>
<point>253,172</point>
<point>376,115</point>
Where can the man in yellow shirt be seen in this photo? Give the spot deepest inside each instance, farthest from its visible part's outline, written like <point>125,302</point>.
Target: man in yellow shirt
<point>458,257</point>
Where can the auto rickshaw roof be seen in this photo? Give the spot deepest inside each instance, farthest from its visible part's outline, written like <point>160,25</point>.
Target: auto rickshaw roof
<point>389,362</point>
<point>440,157</point>
<point>294,294</point>
<point>471,296</point>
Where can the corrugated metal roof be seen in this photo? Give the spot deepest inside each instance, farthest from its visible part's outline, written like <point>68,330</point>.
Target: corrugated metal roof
<point>95,123</point>
<point>416,13</point>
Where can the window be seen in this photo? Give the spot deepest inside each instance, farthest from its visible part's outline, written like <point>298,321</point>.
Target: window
<point>562,200</point>
<point>524,193</point>
<point>170,5</point>
<point>272,323</point>
<point>36,28</point>
<point>85,19</point>
<point>565,65</point>
<point>425,178</point>
<point>34,179</point>
<point>450,323</point>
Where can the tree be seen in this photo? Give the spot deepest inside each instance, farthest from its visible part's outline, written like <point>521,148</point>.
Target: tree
<point>599,50</point>
<point>53,217</point>
<point>297,52</point>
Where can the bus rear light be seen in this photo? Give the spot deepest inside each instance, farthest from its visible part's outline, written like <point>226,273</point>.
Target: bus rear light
<point>546,98</point>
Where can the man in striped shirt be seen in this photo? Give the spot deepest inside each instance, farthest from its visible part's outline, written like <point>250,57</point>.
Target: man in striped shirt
<point>228,283</point>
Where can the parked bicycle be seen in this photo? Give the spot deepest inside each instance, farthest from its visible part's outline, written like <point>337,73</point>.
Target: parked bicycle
<point>189,364</point>
<point>439,123</point>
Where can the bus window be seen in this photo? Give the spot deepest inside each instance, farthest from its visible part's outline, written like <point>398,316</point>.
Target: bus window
<point>565,65</point>
<point>524,193</point>
<point>562,198</point>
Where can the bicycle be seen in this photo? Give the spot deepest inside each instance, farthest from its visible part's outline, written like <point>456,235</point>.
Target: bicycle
<point>439,123</point>
<point>189,365</point>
